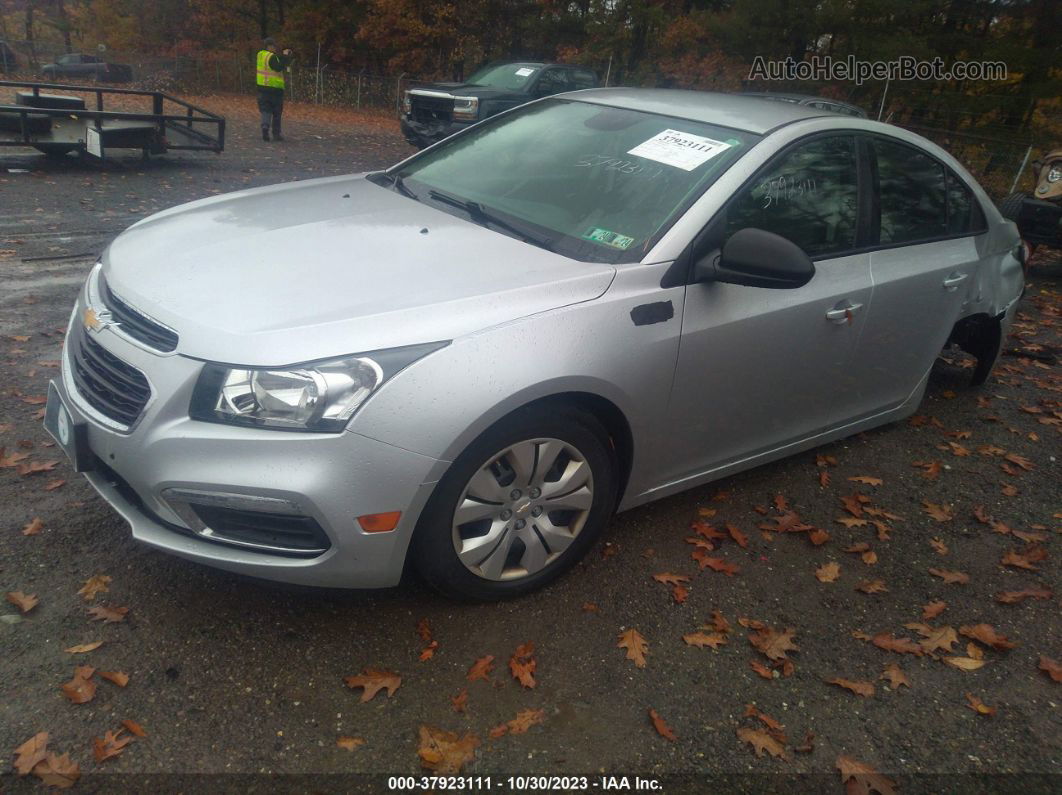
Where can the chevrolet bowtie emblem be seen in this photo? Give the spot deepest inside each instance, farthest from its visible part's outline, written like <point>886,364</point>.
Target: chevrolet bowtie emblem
<point>95,321</point>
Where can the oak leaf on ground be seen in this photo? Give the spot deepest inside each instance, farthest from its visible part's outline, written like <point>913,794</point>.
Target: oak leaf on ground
<point>661,726</point>
<point>119,678</point>
<point>460,701</point>
<point>1051,668</point>
<point>872,586</point>
<point>34,750</point>
<point>987,634</point>
<point>372,681</point>
<point>739,538</point>
<point>34,527</point>
<point>865,689</point>
<point>702,639</point>
<point>902,645</point>
<point>58,771</point>
<point>772,643</point>
<point>761,741</point>
<point>445,752</point>
<point>84,648</point>
<point>866,480</point>
<point>895,676</point>
<point>861,779</point>
<point>933,609</point>
<point>828,572</point>
<point>978,706</point>
<point>523,664</point>
<point>93,585</point>
<point>667,578</point>
<point>719,622</point>
<point>964,663</point>
<point>950,577</point>
<point>716,564</point>
<point>481,669</point>
<point>1024,559</point>
<point>24,602</point>
<point>349,743</point>
<point>636,646</point>
<point>134,728</point>
<point>761,669</point>
<point>109,746</point>
<point>110,615</point>
<point>940,513</point>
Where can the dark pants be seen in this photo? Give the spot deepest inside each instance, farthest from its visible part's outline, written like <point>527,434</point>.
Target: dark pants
<point>271,106</point>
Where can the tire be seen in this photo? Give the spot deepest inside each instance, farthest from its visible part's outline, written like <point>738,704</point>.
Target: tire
<point>985,342</point>
<point>56,151</point>
<point>1010,207</point>
<point>548,542</point>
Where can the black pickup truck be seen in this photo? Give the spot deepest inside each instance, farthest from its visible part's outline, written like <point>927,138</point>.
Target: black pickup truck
<point>434,111</point>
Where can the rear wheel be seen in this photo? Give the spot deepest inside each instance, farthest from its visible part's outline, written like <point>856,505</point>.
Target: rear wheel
<point>520,506</point>
<point>981,337</point>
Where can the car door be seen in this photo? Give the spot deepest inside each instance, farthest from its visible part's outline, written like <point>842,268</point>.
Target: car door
<point>924,270</point>
<point>552,81</point>
<point>758,368</point>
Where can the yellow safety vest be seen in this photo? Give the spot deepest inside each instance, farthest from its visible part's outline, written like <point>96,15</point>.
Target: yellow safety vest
<point>266,76</point>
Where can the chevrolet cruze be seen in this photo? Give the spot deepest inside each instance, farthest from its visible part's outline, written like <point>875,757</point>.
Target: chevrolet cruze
<point>472,359</point>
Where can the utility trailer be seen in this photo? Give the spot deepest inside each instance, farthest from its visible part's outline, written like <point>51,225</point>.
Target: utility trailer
<point>60,123</point>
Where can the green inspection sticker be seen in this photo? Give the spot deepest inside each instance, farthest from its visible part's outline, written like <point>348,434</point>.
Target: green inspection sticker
<point>608,238</point>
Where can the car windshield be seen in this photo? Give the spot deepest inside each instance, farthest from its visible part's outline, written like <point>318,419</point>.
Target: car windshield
<point>592,182</point>
<point>509,76</point>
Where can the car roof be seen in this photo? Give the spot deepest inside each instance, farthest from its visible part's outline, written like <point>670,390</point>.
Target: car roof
<point>801,98</point>
<point>737,111</point>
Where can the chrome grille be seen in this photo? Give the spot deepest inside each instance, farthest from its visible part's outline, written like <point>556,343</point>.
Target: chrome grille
<point>115,389</point>
<point>138,325</point>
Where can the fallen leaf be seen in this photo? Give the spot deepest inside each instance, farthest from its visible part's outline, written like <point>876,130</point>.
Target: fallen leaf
<point>1024,559</point>
<point>636,646</point>
<point>978,706</point>
<point>702,639</point>
<point>111,615</point>
<point>110,746</point>
<point>772,643</point>
<point>525,719</point>
<point>828,572</point>
<point>679,594</point>
<point>941,513</point>
<point>867,480</point>
<point>34,527</point>
<point>852,504</point>
<point>52,485</point>
<point>762,741</point>
<point>590,607</point>
<point>951,577</point>
<point>424,630</point>
<point>428,651</point>
<point>865,689</point>
<point>939,546</point>
<point>808,745</point>
<point>481,669</point>
<point>895,676</point>
<point>117,677</point>
<point>862,779</point>
<point>57,771</point>
<point>81,689</point>
<point>1021,461</point>
<point>1051,668</point>
<point>964,663</point>
<point>818,537</point>
<point>872,586</point>
<point>460,701</point>
<point>349,743</point>
<point>888,642</point>
<point>671,579</point>
<point>372,681</point>
<point>987,635</point>
<point>719,622</point>
<point>24,602</point>
<point>930,469</point>
<point>134,728</point>
<point>932,610</point>
<point>444,752</point>
<point>94,585</point>
<point>939,638</point>
<point>851,521</point>
<point>661,727</point>
<point>522,665</point>
<point>84,648</point>
<point>1014,597</point>
<point>34,750</point>
<point>739,538</point>
<point>761,669</point>
<point>718,564</point>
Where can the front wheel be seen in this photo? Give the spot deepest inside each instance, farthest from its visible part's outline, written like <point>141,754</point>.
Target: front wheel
<point>521,505</point>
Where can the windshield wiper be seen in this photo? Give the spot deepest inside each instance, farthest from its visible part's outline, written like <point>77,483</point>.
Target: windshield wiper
<point>395,181</point>
<point>477,213</point>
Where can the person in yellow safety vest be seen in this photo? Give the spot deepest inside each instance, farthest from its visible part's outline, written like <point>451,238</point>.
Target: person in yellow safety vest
<point>269,76</point>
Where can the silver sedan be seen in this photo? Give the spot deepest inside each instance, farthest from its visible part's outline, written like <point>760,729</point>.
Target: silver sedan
<point>472,359</point>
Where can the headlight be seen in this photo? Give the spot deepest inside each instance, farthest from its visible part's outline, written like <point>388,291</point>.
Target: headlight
<point>466,108</point>
<point>1055,174</point>
<point>319,396</point>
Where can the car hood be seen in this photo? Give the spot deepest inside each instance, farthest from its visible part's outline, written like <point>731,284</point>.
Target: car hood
<point>469,90</point>
<point>329,267</point>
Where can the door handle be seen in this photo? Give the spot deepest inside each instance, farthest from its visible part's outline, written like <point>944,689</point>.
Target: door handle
<point>843,314</point>
<point>954,280</point>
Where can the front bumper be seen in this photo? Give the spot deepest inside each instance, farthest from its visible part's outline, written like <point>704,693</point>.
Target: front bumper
<point>422,135</point>
<point>329,478</point>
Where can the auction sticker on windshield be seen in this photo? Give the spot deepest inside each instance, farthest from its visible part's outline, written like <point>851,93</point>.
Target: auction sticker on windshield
<point>679,149</point>
<point>608,238</point>
<point>523,71</point>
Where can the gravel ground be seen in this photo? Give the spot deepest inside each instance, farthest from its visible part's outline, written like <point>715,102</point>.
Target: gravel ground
<point>239,683</point>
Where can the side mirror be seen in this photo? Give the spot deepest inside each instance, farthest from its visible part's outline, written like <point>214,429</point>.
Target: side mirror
<point>756,258</point>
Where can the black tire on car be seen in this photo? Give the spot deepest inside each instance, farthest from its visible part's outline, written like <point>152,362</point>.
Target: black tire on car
<point>985,342</point>
<point>1010,207</point>
<point>583,439</point>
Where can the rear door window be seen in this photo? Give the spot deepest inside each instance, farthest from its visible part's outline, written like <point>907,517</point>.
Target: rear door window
<point>964,213</point>
<point>583,78</point>
<point>809,196</point>
<point>911,194</point>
